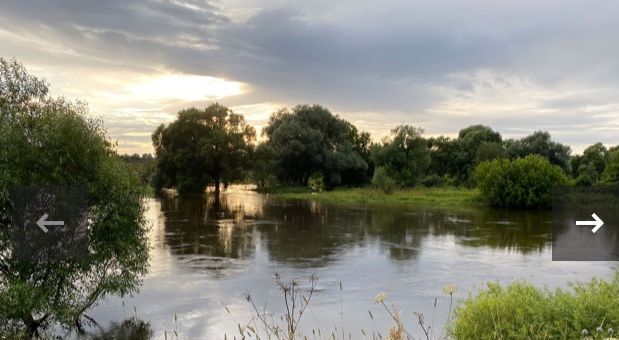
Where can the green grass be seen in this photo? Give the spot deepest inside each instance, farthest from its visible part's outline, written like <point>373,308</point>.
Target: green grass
<point>523,311</point>
<point>437,196</point>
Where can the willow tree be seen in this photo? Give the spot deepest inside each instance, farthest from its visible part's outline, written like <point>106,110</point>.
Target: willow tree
<point>202,147</point>
<point>52,142</point>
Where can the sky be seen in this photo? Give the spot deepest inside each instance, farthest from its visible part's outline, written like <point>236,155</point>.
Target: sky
<point>516,66</point>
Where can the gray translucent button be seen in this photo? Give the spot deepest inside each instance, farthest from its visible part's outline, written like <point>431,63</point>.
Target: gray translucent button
<point>585,223</point>
<point>48,223</point>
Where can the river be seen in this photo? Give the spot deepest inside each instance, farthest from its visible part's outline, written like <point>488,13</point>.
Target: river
<point>205,257</point>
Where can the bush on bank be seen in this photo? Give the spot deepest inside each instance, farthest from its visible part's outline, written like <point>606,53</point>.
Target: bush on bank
<point>522,311</point>
<point>520,183</point>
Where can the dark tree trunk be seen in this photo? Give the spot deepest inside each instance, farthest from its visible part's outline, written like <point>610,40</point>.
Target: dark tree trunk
<point>32,325</point>
<point>217,191</point>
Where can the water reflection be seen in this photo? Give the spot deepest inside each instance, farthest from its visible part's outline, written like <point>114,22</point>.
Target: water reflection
<point>203,255</point>
<point>310,234</point>
<point>205,235</point>
<point>128,329</point>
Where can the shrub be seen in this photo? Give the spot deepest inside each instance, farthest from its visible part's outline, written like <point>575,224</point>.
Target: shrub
<point>524,182</point>
<point>382,181</point>
<point>522,311</point>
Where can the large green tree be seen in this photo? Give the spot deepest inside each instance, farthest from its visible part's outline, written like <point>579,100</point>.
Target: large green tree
<point>404,155</point>
<point>443,152</point>
<point>469,142</point>
<point>202,147</point>
<point>540,143</point>
<point>309,140</point>
<point>52,142</point>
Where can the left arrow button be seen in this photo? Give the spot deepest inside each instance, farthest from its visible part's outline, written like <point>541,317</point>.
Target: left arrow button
<point>43,223</point>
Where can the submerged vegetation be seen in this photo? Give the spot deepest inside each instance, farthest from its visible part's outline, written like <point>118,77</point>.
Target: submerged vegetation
<point>202,147</point>
<point>434,196</point>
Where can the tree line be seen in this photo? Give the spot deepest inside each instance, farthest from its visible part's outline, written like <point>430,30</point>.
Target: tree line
<point>309,146</point>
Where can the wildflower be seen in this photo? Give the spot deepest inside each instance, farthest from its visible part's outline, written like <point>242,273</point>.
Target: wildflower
<point>611,331</point>
<point>450,289</point>
<point>585,332</point>
<point>380,298</point>
<point>599,329</point>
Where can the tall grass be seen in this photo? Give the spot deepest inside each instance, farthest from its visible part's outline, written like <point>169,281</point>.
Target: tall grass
<point>587,311</point>
<point>264,324</point>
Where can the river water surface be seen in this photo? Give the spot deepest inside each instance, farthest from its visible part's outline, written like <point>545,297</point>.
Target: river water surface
<point>205,257</point>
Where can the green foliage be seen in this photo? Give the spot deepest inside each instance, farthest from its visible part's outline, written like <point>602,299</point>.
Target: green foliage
<point>596,155</point>
<point>404,155</point>
<point>522,311</point>
<point>473,136</point>
<point>587,174</point>
<point>382,181</point>
<point>488,151</point>
<point>590,166</point>
<point>522,183</point>
<point>317,182</point>
<point>53,142</point>
<point>202,147</point>
<point>469,141</point>
<point>262,165</point>
<point>443,154</point>
<point>611,171</point>
<point>311,139</point>
<point>540,143</point>
<point>142,165</point>
<point>20,92</point>
<point>456,158</point>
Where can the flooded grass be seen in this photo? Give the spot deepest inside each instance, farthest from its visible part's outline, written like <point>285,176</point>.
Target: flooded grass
<point>422,196</point>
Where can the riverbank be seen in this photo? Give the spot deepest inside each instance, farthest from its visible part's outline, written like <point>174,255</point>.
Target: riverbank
<point>437,196</point>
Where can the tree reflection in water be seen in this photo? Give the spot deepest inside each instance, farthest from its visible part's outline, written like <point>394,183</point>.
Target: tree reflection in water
<point>129,329</point>
<point>299,233</point>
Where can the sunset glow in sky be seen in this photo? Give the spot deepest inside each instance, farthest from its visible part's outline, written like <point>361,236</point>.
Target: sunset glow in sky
<point>517,66</point>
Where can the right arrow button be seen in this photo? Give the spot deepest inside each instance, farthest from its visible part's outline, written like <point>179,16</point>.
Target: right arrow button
<point>597,223</point>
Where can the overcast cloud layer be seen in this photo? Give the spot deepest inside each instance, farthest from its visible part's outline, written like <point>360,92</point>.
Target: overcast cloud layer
<point>517,66</point>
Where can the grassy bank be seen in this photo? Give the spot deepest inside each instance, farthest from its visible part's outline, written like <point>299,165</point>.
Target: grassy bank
<point>444,196</point>
<point>519,310</point>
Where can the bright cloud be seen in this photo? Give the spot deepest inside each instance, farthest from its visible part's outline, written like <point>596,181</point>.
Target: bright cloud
<point>185,87</point>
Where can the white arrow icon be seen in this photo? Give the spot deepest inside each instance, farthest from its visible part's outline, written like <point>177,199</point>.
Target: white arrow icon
<point>42,222</point>
<point>598,223</point>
